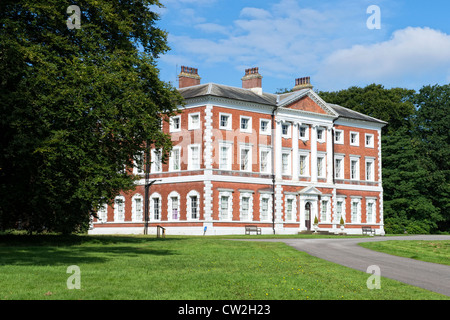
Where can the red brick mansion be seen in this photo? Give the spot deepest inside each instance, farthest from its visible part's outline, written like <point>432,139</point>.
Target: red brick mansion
<point>245,157</point>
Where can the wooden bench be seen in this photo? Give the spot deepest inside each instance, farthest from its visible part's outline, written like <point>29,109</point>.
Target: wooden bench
<point>160,231</point>
<point>249,229</point>
<point>368,230</point>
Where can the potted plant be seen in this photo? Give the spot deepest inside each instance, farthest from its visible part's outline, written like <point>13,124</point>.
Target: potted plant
<point>342,223</point>
<point>316,223</point>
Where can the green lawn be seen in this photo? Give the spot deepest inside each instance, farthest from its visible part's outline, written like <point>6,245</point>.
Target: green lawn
<point>430,251</point>
<point>178,268</point>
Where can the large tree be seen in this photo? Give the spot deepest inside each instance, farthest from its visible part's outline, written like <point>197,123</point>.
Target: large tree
<point>77,104</point>
<point>393,105</point>
<point>432,129</point>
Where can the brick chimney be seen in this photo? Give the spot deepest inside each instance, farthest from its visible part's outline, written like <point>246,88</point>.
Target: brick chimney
<point>252,80</point>
<point>188,77</point>
<point>302,83</point>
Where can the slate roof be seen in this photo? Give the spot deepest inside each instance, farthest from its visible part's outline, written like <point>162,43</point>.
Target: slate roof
<point>269,99</point>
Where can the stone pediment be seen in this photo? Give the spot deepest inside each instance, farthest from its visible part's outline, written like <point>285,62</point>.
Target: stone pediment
<point>307,100</point>
<point>310,191</point>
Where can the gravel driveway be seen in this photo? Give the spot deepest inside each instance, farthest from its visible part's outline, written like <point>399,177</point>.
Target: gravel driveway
<point>346,251</point>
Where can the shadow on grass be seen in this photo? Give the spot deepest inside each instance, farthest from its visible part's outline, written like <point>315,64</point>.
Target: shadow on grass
<point>39,250</point>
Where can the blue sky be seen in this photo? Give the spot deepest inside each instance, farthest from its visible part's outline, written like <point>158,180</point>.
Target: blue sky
<point>326,40</point>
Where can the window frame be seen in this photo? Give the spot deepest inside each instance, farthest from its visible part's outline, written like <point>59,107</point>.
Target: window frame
<point>134,211</point>
<point>306,137</point>
<point>372,139</point>
<point>269,160</point>
<point>191,159</point>
<point>175,150</point>
<point>189,207</point>
<point>249,124</point>
<point>191,124</point>
<point>228,125</point>
<point>155,195</point>
<point>356,142</point>
<point>247,148</point>
<point>172,127</point>
<point>341,134</point>
<point>229,155</point>
<point>268,130</point>
<point>286,135</point>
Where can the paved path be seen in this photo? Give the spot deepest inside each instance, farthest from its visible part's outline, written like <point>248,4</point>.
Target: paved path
<point>346,251</point>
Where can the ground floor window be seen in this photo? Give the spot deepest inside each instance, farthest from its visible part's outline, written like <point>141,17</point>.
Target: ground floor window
<point>193,205</point>
<point>137,208</point>
<point>265,206</point>
<point>155,206</point>
<point>119,208</point>
<point>173,207</point>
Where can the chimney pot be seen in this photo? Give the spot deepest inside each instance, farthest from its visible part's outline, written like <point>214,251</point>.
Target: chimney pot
<point>252,80</point>
<point>302,83</point>
<point>188,77</point>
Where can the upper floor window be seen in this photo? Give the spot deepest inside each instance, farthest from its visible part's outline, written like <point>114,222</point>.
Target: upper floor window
<point>320,135</point>
<point>246,124</point>
<point>265,161</point>
<point>139,163</point>
<point>175,123</point>
<point>157,161</point>
<point>354,169</point>
<point>225,156</point>
<point>339,136</point>
<point>225,121</point>
<point>264,126</point>
<point>339,168</point>
<point>174,161</point>
<point>370,173</point>
<point>304,164</point>
<point>194,121</point>
<point>286,163</point>
<point>194,157</point>
<point>369,140</point>
<point>285,130</point>
<point>354,138</point>
<point>246,158</point>
<point>320,167</point>
<point>303,132</point>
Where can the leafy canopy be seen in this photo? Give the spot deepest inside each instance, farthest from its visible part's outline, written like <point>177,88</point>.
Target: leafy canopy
<point>76,106</point>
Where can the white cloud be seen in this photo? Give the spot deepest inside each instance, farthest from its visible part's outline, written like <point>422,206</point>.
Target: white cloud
<point>412,57</point>
<point>289,39</point>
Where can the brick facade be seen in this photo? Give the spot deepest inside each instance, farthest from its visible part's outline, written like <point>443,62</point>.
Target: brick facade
<point>244,157</point>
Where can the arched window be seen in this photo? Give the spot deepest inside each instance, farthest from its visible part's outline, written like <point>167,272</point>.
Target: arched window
<point>155,207</point>
<point>193,205</point>
<point>173,206</point>
<point>137,207</point>
<point>119,208</point>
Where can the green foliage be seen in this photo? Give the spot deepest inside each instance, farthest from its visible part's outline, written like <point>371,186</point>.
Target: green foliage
<point>391,105</point>
<point>77,105</point>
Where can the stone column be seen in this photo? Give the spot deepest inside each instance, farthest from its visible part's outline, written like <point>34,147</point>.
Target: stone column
<point>314,153</point>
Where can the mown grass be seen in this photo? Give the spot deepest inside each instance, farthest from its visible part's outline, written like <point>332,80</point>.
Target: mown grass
<point>180,268</point>
<point>430,251</point>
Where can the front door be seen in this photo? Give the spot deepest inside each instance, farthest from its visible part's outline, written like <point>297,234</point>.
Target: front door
<point>308,216</point>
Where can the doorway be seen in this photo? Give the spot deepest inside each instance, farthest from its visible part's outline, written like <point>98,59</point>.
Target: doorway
<point>308,216</point>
